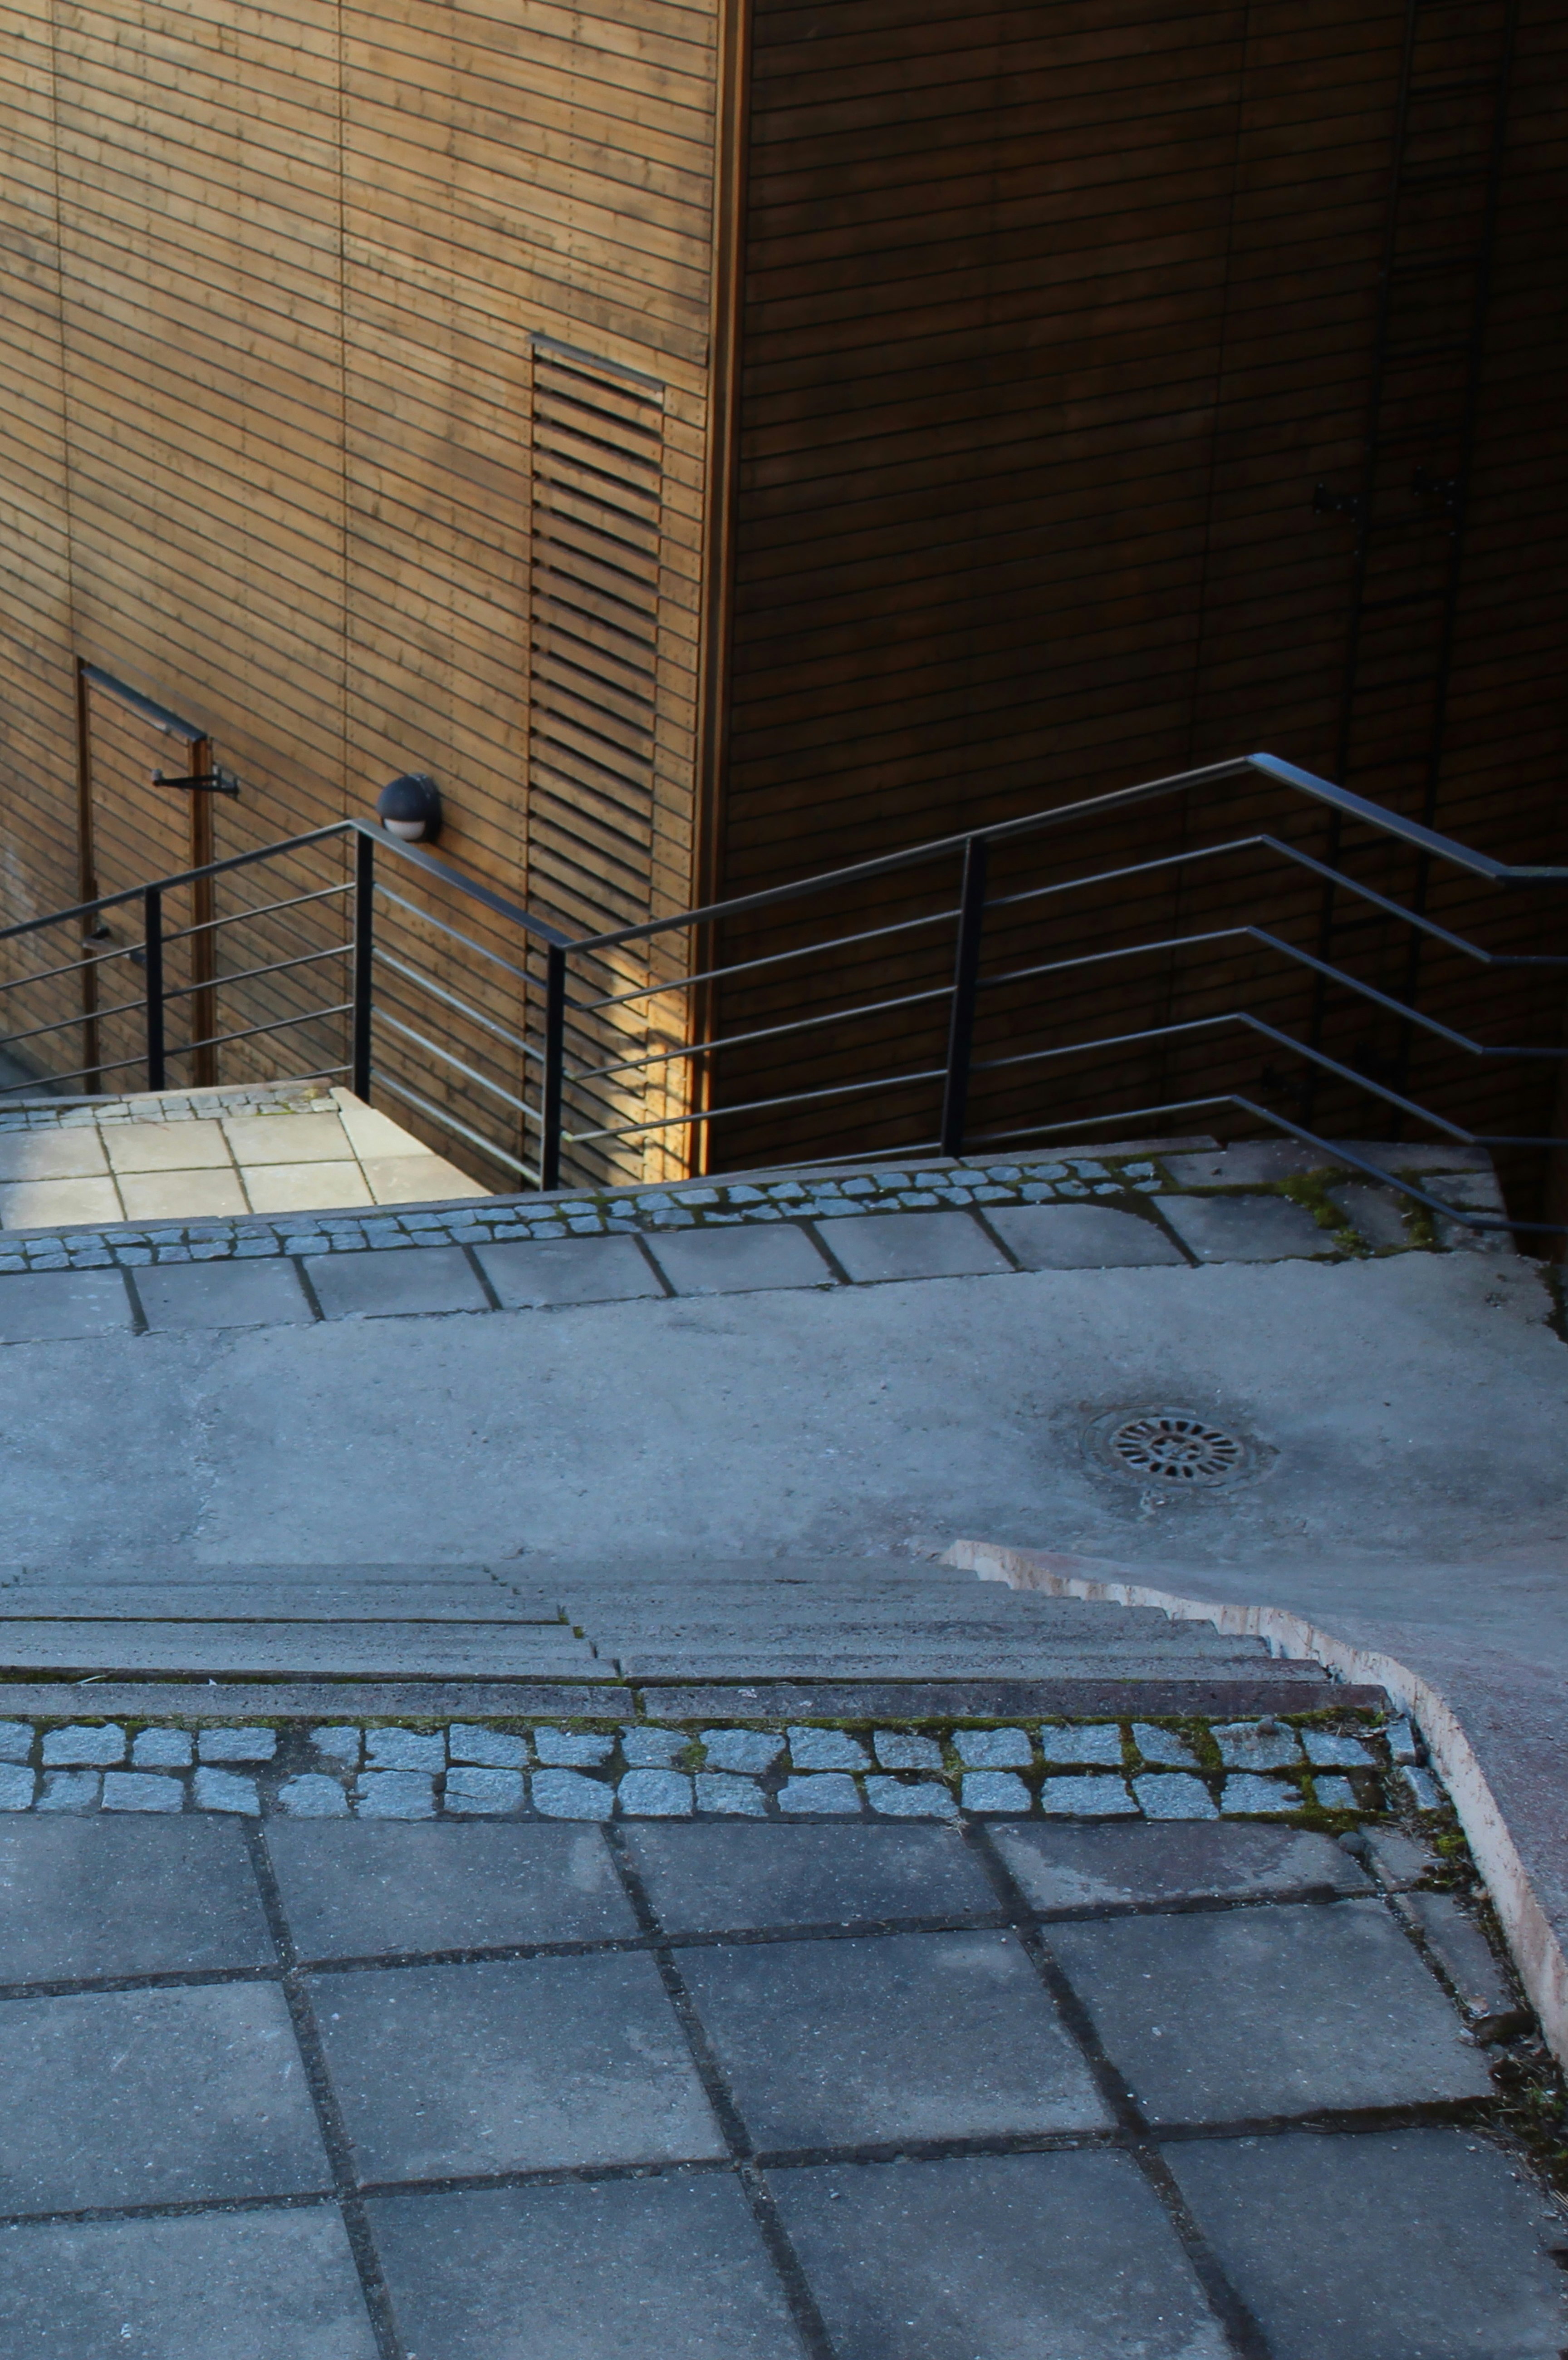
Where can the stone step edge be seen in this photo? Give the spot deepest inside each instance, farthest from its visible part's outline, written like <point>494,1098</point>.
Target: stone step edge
<point>1533,1945</point>
<point>220,1702</point>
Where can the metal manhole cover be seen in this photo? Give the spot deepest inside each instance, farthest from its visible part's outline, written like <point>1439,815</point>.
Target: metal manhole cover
<point>1176,1447</point>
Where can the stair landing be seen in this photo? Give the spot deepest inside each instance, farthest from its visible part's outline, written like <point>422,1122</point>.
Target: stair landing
<point>285,1147</point>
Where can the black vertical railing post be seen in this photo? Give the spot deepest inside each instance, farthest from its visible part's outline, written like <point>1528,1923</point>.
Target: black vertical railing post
<point>363,959</point>
<point>554,1065</point>
<point>152,932</point>
<point>965,983</point>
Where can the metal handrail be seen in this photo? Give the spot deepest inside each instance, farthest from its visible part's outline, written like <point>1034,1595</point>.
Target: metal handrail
<point>549,1037</point>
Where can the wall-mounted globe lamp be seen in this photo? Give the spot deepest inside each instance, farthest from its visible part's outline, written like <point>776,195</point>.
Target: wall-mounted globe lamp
<point>411,806</point>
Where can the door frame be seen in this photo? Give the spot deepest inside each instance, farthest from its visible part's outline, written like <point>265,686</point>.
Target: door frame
<point>203,945</point>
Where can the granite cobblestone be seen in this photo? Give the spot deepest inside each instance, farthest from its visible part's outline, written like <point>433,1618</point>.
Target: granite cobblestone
<point>654,1770</point>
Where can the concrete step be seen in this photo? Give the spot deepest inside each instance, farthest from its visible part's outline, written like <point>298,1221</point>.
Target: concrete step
<point>297,1603</point>
<point>269,1649</point>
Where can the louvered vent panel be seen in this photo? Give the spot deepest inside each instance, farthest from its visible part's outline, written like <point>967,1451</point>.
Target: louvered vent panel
<point>598,454</point>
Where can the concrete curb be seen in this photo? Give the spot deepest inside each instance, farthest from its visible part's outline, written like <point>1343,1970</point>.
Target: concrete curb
<point>1532,1944</point>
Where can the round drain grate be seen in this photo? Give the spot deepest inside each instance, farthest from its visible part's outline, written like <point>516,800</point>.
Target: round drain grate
<point>1172,1447</point>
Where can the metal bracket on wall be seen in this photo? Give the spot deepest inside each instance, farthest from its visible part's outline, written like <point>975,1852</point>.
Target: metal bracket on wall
<point>215,781</point>
<point>1327,503</point>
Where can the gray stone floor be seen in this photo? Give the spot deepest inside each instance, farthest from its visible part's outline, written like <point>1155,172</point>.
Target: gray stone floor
<point>346,2091</point>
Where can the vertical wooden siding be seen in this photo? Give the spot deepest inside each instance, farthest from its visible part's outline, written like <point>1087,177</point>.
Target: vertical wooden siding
<point>272,276</point>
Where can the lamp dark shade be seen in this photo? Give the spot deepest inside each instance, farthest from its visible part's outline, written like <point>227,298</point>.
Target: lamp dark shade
<point>411,806</point>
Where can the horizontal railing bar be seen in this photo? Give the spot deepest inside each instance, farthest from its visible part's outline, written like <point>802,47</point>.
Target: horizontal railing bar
<point>1269,766</point>
<point>770,958</point>
<point>251,1032</point>
<point>251,974</point>
<point>455,935</point>
<point>1303,958</point>
<point>450,1123</point>
<point>256,910</point>
<point>185,877</point>
<point>63,1024</point>
<point>434,1049</point>
<point>80,1073</point>
<point>756,1106</point>
<point>90,958</point>
<point>439,991</point>
<point>768,1033</point>
<point>1094,1121</point>
<point>1337,877</point>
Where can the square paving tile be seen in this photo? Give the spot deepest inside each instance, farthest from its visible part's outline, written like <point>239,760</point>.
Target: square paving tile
<point>358,1890</point>
<point>167,1147</point>
<point>207,2286</point>
<point>568,1270</point>
<point>38,1305</point>
<point>151,2097</point>
<point>712,1880</point>
<point>512,2067</point>
<point>672,2266</point>
<point>222,1294</point>
<point>58,1204</point>
<point>81,1898</point>
<point>419,1278</point>
<point>1079,1237</point>
<point>949,1244</point>
<point>181,1196</point>
<point>1244,1228</point>
<point>904,2036</point>
<point>731,1262</point>
<point>1014,2257</point>
<point>1281,2009</point>
<point>304,1187</point>
<point>417,1180</point>
<point>287,1138</point>
<point>1418,2245</point>
<point>1085,1868</point>
<point>53,1151</point>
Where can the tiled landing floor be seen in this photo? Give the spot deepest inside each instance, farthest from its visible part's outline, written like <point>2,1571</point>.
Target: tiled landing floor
<point>135,1163</point>
<point>344,2091</point>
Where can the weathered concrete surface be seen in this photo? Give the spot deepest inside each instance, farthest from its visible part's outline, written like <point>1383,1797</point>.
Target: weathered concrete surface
<point>1417,1407</point>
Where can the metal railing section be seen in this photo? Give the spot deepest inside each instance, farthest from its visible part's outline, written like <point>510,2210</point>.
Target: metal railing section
<point>536,1074</point>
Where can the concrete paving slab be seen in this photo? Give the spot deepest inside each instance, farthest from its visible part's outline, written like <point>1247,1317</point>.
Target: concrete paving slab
<point>717,1880</point>
<point>906,2035</point>
<point>52,1154</point>
<point>259,1139</point>
<point>305,1188</point>
<point>55,1303</point>
<point>1247,1163</point>
<point>222,1294</point>
<point>208,2286</point>
<point>1416,2245</point>
<point>525,2066</point>
<point>375,1285</point>
<point>1091,1868</point>
<point>1377,1215</point>
<point>361,1891</point>
<point>999,2254</point>
<point>82,1899</point>
<point>949,1244</point>
<point>417,1180</point>
<point>164,1146</point>
<point>181,1196</point>
<point>673,2267</point>
<point>1080,1237</point>
<point>155,2097</point>
<point>568,1270</point>
<point>58,1204</point>
<point>1278,2009</point>
<point>730,1262</point>
<point>1244,1228</point>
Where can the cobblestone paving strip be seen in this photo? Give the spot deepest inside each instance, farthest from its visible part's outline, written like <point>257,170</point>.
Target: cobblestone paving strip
<point>1090,1770</point>
<point>977,1185</point>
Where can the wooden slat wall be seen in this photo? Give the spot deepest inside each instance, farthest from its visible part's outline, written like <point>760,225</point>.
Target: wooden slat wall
<point>1052,323</point>
<point>273,277</point>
